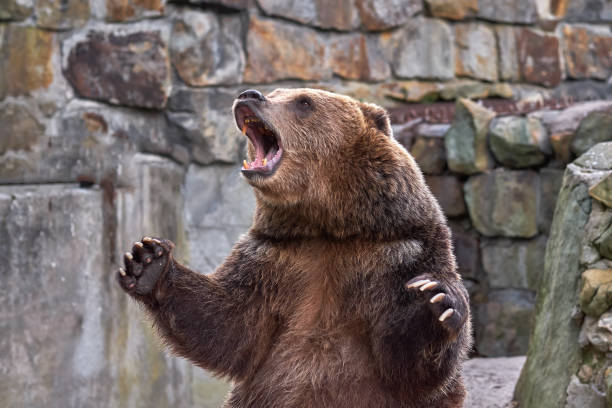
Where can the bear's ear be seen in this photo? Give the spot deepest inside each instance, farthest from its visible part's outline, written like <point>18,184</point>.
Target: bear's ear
<point>377,116</point>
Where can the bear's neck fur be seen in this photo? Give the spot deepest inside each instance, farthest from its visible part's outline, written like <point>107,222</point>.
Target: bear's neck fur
<point>374,191</point>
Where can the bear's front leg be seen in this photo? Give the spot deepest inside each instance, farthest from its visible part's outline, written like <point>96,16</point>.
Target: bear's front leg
<point>219,322</point>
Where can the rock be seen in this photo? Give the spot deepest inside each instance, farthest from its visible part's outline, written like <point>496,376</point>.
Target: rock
<point>231,4</point>
<point>16,9</point>
<point>598,332</point>
<point>25,60</point>
<point>552,359</point>
<point>511,206</point>
<point>423,48</point>
<point>356,57</point>
<point>384,14</point>
<point>509,69</point>
<point>581,395</point>
<point>476,51</point>
<point>219,208</point>
<point>586,10</point>
<point>111,67</point>
<point>518,142</point>
<point>598,157</point>
<point>505,323</point>
<point>20,129</point>
<point>466,140</point>
<point>61,15</point>
<point>550,184</point>
<point>466,244</point>
<point>514,264</point>
<point>452,9</point>
<point>538,57</point>
<point>279,51</point>
<point>490,381</point>
<point>342,16</point>
<point>568,119</point>
<point>429,154</point>
<point>586,50</point>
<point>521,11</point>
<point>602,191</point>
<point>130,10</point>
<point>206,48</point>
<point>561,146</point>
<point>596,291</point>
<point>595,128</point>
<point>604,242</point>
<point>449,193</point>
<point>465,88</point>
<point>203,119</point>
<point>412,91</point>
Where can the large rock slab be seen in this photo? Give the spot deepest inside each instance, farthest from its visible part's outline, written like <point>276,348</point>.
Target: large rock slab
<point>61,15</point>
<point>357,57</point>
<point>490,381</point>
<point>430,154</point>
<point>521,11</point>
<point>423,48</point>
<point>384,14</point>
<point>514,264</point>
<point>554,351</point>
<point>25,60</point>
<point>466,140</point>
<point>342,16</point>
<point>204,121</point>
<point>130,10</point>
<point>452,9</point>
<point>476,51</point>
<point>519,142</point>
<point>510,208</point>
<point>586,10</point>
<point>127,68</point>
<point>206,48</point>
<point>504,322</point>
<point>448,190</point>
<point>595,128</point>
<point>16,9</point>
<point>587,51</point>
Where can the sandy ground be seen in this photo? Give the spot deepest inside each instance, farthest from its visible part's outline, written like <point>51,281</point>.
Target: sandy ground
<point>490,381</point>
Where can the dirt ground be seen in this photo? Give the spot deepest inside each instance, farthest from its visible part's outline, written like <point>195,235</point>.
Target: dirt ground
<point>490,381</point>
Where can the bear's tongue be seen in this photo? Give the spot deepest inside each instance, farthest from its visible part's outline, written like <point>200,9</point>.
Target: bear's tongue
<point>264,160</point>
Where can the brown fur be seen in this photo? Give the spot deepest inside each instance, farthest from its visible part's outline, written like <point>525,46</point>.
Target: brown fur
<point>310,309</point>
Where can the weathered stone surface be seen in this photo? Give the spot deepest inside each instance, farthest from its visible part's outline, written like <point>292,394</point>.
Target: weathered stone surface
<point>427,91</point>
<point>509,69</point>
<point>357,57</point>
<point>449,193</point>
<point>510,208</point>
<point>206,49</point>
<point>505,322</point>
<point>595,128</point>
<point>604,242</point>
<point>429,154</point>
<point>427,41</point>
<point>598,157</point>
<point>586,10</point>
<point>581,395</point>
<point>550,184</point>
<point>20,129</point>
<point>231,4</point>
<point>280,51</point>
<point>601,191</point>
<point>597,331</point>
<point>587,51</point>
<point>130,10</point>
<point>452,9</point>
<point>596,291</point>
<point>25,60</point>
<point>130,68</point>
<point>16,9</point>
<point>60,14</point>
<point>203,119</point>
<point>568,120</point>
<point>476,51</point>
<point>518,142</point>
<point>466,244</point>
<point>521,11</point>
<point>490,381</point>
<point>219,208</point>
<point>514,264</point>
<point>385,14</point>
<point>561,146</point>
<point>538,57</point>
<point>466,140</point>
<point>552,359</point>
<point>341,16</point>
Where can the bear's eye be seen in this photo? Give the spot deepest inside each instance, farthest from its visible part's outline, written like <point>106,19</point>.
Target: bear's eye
<point>304,102</point>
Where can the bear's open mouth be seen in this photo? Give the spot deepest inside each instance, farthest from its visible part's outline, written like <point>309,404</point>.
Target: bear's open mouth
<point>268,149</point>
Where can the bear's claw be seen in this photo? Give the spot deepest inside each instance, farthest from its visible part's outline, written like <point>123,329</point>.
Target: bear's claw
<point>442,304</point>
<point>144,265</point>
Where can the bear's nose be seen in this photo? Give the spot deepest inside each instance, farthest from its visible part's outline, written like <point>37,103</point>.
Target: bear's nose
<point>252,94</point>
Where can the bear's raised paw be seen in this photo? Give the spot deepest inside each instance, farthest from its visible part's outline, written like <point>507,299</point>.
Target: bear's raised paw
<point>440,300</point>
<point>144,265</point>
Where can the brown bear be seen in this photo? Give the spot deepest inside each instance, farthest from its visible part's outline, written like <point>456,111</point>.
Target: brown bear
<point>343,293</point>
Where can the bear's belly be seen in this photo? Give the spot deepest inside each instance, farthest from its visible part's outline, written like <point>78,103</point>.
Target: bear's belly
<point>333,371</point>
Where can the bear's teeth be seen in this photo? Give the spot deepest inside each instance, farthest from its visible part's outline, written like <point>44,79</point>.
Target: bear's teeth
<point>265,161</point>
<point>245,164</point>
<point>244,129</point>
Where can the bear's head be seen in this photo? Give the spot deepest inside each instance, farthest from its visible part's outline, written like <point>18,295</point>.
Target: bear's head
<point>323,163</point>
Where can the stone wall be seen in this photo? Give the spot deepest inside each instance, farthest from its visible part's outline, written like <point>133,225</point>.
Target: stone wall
<point>116,124</point>
<point>569,362</point>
